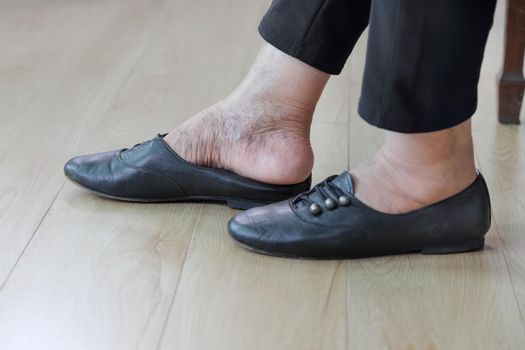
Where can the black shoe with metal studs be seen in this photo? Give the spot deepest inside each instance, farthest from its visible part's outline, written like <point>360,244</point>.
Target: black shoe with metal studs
<point>329,222</point>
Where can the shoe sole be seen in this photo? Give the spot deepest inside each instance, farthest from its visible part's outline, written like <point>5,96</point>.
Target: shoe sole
<point>437,249</point>
<point>234,203</point>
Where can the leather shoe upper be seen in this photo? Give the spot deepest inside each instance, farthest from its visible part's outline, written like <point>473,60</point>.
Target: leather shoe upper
<point>311,226</point>
<point>152,171</point>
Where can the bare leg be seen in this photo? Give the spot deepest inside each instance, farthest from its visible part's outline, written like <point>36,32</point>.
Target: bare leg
<point>411,171</point>
<point>262,129</point>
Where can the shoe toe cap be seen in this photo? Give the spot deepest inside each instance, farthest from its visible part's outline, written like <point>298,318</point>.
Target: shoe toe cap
<point>266,228</point>
<point>72,169</point>
<point>90,171</point>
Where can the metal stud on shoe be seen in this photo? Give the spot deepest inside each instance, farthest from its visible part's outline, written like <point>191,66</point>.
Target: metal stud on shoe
<point>344,200</point>
<point>330,203</point>
<point>315,209</point>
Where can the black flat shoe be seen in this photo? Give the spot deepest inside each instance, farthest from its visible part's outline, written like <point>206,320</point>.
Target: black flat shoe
<point>329,222</point>
<point>153,172</point>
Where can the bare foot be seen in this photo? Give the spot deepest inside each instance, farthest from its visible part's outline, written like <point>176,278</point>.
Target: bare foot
<point>262,130</point>
<point>412,171</point>
<point>258,139</point>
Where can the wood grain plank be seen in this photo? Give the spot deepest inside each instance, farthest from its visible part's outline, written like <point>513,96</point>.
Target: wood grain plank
<point>101,274</point>
<point>502,161</point>
<point>60,71</point>
<point>442,302</point>
<point>500,155</point>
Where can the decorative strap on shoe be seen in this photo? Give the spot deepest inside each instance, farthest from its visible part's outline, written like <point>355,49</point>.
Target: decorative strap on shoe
<point>328,193</point>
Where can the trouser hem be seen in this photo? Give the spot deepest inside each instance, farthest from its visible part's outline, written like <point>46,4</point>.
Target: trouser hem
<point>398,123</point>
<point>293,47</point>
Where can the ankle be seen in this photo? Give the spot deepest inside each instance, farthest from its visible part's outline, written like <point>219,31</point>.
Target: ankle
<point>392,187</point>
<point>263,112</point>
<point>279,78</point>
<point>437,159</point>
<point>426,183</point>
<point>412,171</point>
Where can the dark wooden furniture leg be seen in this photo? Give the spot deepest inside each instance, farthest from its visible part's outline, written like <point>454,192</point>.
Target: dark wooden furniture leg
<point>511,81</point>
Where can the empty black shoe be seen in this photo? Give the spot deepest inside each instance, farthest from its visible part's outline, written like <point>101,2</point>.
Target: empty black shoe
<point>153,172</point>
<point>329,222</point>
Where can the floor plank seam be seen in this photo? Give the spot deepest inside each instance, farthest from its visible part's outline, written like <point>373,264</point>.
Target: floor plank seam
<point>33,234</point>
<point>174,296</point>
<point>509,273</point>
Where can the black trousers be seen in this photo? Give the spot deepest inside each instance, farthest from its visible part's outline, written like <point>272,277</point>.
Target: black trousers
<point>423,57</point>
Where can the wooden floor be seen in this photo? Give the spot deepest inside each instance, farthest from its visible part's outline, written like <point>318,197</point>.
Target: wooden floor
<point>81,272</point>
